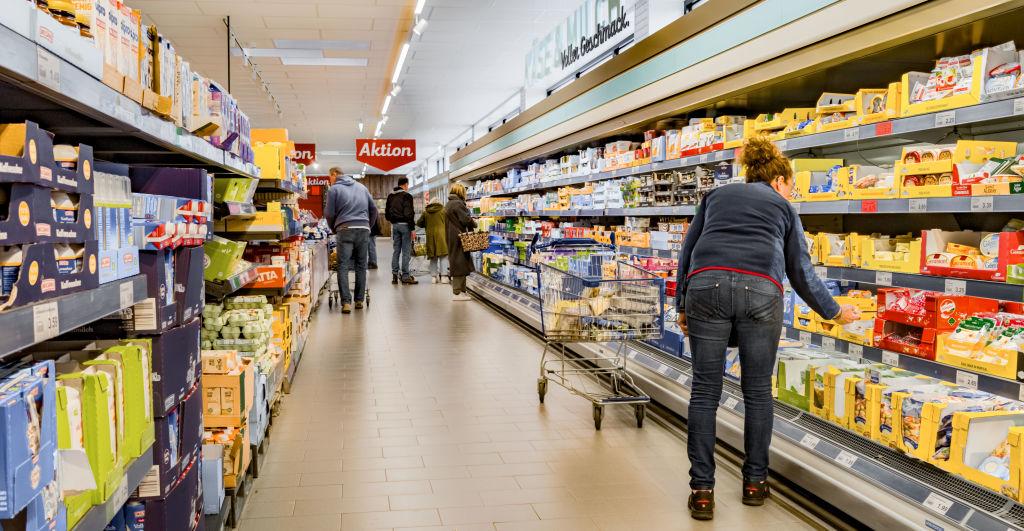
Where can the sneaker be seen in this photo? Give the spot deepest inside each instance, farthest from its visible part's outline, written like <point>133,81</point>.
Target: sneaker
<point>446,280</point>
<point>702,504</point>
<point>462,297</point>
<point>410,280</point>
<point>435,280</point>
<point>371,266</point>
<point>755,492</point>
<point>394,278</point>
<point>346,308</point>
<point>359,305</point>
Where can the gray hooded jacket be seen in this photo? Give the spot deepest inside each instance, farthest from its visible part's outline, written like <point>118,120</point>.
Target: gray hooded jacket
<point>349,205</point>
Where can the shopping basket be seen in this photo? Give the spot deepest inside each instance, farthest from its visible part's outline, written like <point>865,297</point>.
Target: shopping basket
<point>587,295</point>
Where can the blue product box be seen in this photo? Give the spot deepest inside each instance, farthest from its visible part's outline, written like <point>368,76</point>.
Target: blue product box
<point>788,301</point>
<point>213,478</point>
<point>127,262</point>
<point>259,414</point>
<point>46,512</point>
<point>179,439</point>
<point>117,524</point>
<point>153,235</point>
<point>111,228</point>
<point>124,227</point>
<point>107,265</point>
<point>180,510</point>
<point>134,516</point>
<point>28,430</point>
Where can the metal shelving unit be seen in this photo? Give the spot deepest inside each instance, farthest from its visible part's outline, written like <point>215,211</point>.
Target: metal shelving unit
<point>100,515</point>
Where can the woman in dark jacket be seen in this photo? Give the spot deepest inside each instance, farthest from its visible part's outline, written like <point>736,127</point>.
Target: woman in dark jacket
<point>458,220</point>
<point>744,240</point>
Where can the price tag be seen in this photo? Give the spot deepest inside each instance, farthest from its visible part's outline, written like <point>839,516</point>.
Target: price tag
<point>663,370</point>
<point>883,129</point>
<point>45,321</point>
<point>982,204</point>
<point>703,159</point>
<point>856,350</point>
<point>48,69</point>
<point>810,441</point>
<point>945,119</point>
<point>782,144</point>
<point>828,343</point>
<point>918,205</point>
<point>121,496</point>
<point>127,294</point>
<point>846,459</point>
<point>1018,106</point>
<point>796,206</point>
<point>890,358</point>
<point>636,170</point>
<point>731,403</point>
<point>805,337</point>
<point>852,134</point>
<point>967,379</point>
<point>869,206</point>
<point>1020,393</point>
<point>938,503</point>
<point>956,287</point>
<point>883,278</point>
<point>821,272</point>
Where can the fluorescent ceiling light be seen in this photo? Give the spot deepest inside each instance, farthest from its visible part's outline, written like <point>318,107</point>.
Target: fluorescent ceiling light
<point>387,103</point>
<point>401,62</point>
<point>324,61</point>
<point>360,127</point>
<point>396,89</point>
<point>421,24</point>
<point>419,6</point>
<point>384,119</point>
<point>322,45</point>
<point>275,52</point>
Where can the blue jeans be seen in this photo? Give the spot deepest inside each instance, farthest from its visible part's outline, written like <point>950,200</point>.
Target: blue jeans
<point>401,236</point>
<point>720,304</point>
<point>352,245</point>
<point>373,250</point>
<point>439,266</point>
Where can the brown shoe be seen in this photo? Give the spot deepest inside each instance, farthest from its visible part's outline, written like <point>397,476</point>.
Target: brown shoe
<point>346,308</point>
<point>359,305</point>
<point>755,492</point>
<point>702,504</point>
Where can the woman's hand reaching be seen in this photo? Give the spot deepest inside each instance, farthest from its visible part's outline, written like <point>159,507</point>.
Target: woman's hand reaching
<point>848,314</point>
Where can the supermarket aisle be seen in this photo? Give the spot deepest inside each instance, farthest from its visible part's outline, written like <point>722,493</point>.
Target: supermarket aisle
<point>422,413</point>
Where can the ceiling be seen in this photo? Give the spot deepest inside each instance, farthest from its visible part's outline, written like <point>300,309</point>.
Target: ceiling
<point>469,58</point>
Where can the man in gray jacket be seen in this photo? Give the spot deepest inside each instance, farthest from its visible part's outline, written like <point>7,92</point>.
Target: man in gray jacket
<point>349,210</point>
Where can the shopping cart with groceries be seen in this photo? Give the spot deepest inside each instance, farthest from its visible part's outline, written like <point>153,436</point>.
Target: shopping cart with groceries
<point>589,296</point>
<point>333,289</point>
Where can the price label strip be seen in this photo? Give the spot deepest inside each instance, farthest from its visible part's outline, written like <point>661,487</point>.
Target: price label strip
<point>918,206</point>
<point>856,350</point>
<point>945,119</point>
<point>828,343</point>
<point>805,337</point>
<point>48,70</point>
<point>852,134</point>
<point>982,204</point>
<point>883,278</point>
<point>937,503</point>
<point>846,459</point>
<point>967,379</point>
<point>127,294</point>
<point>956,287</point>
<point>45,321</point>
<point>890,358</point>
<point>810,441</point>
<point>821,272</point>
<point>731,403</point>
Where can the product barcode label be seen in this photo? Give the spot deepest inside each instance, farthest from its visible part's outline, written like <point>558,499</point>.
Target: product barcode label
<point>918,205</point>
<point>851,134</point>
<point>883,278</point>
<point>45,321</point>
<point>982,204</point>
<point>805,337</point>
<point>48,70</point>
<point>890,358</point>
<point>956,287</point>
<point>846,459</point>
<point>810,441</point>
<point>967,379</point>
<point>145,315</point>
<point>127,294</point>
<point>1018,106</point>
<point>821,272</point>
<point>731,403</point>
<point>856,350</point>
<point>938,503</point>
<point>828,343</point>
<point>682,379</point>
<point>150,486</point>
<point>663,370</point>
<point>945,119</point>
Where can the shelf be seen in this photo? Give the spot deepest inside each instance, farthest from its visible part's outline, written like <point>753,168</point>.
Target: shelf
<point>27,325</point>
<point>975,288</point>
<point>231,209</point>
<point>681,210</point>
<point>218,289</point>
<point>218,522</point>
<point>279,185</point>
<point>64,99</point>
<point>643,251</point>
<point>100,515</point>
<point>998,386</point>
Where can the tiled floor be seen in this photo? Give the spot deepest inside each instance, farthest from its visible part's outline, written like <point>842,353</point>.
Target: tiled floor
<point>422,413</point>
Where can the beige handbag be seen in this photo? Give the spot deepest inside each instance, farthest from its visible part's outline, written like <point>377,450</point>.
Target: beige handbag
<point>475,241</point>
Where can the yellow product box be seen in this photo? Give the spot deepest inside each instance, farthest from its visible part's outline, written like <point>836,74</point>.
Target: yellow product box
<point>835,249</point>
<point>817,180</point>
<point>927,424</point>
<point>899,254</point>
<point>929,172</point>
<point>749,130</point>
<point>998,358</point>
<point>811,240</point>
<point>779,120</point>
<point>837,409</point>
<point>911,107</point>
<point>804,318</point>
<point>982,450</point>
<point>835,111</point>
<point>220,361</point>
<point>861,332</point>
<point>869,182</point>
<point>236,394</point>
<point>821,403</point>
<point>866,393</point>
<point>878,105</point>
<point>270,221</point>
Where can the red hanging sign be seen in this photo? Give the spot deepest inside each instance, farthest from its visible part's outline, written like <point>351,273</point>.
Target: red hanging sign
<point>385,154</point>
<point>304,154</point>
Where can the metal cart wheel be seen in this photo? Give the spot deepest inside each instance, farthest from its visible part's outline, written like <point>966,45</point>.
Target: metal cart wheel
<point>330,301</point>
<point>542,388</point>
<point>640,411</point>
<point>367,298</point>
<point>598,416</point>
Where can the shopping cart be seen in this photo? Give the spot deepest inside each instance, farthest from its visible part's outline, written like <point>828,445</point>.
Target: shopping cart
<point>333,289</point>
<point>588,296</point>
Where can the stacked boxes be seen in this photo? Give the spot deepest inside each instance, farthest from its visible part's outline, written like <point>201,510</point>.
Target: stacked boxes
<point>118,254</point>
<point>28,427</point>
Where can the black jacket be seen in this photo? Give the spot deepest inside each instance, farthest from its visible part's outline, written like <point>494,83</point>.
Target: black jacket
<point>399,207</point>
<point>458,220</point>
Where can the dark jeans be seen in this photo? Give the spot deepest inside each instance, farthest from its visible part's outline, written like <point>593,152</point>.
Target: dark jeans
<point>352,246</point>
<point>373,249</point>
<point>401,237</point>
<point>720,304</point>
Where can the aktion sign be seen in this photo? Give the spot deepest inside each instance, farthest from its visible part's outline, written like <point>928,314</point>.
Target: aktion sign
<point>385,154</point>
<point>304,154</point>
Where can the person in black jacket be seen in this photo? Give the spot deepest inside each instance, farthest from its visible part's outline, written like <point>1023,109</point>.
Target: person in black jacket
<point>457,221</point>
<point>400,212</point>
